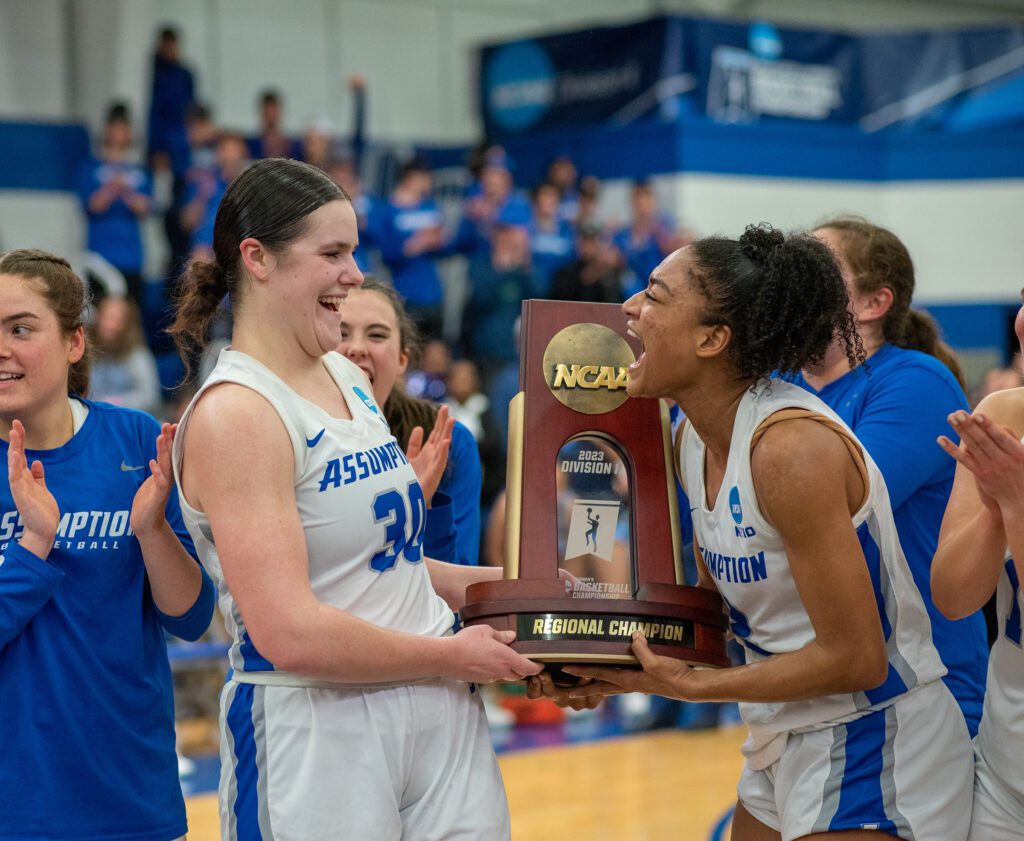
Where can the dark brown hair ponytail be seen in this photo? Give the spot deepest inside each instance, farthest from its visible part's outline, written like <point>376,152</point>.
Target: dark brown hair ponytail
<point>271,202</point>
<point>878,259</point>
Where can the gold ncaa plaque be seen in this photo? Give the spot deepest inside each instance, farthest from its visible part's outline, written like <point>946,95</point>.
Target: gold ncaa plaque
<point>586,367</point>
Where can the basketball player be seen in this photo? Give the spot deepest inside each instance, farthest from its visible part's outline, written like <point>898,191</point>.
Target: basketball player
<point>379,336</point>
<point>897,404</point>
<point>981,552</point>
<point>95,565</point>
<point>351,707</point>
<point>841,693</point>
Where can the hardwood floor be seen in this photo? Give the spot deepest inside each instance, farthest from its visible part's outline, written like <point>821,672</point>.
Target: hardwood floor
<point>665,786</point>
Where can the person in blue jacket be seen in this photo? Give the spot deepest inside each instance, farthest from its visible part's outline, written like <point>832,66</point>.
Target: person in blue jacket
<point>379,336</point>
<point>411,237</point>
<point>116,196</point>
<point>897,404</point>
<point>95,565</point>
<point>552,242</point>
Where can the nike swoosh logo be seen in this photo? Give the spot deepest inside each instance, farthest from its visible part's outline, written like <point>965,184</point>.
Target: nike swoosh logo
<point>312,442</point>
<point>127,468</point>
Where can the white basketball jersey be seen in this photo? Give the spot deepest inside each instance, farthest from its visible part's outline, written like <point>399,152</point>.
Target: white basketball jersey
<point>361,507</point>
<point>1001,733</point>
<point>746,557</point>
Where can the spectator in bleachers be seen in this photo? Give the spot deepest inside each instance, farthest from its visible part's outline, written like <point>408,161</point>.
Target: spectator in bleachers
<point>647,240</point>
<point>411,237</point>
<point>272,142</point>
<point>202,142</point>
<point>206,189</point>
<point>496,197</point>
<point>595,276</point>
<point>587,202</point>
<point>171,100</point>
<point>430,379</point>
<point>552,243</point>
<point>499,282</point>
<point>116,192</point>
<point>317,143</point>
<point>344,171</point>
<point>467,403</point>
<point>173,93</point>
<point>998,379</point>
<point>124,372</point>
<point>562,173</point>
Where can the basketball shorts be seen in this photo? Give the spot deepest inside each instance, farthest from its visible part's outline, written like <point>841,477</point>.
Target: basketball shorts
<point>411,762</point>
<point>998,813</point>
<point>906,770</point>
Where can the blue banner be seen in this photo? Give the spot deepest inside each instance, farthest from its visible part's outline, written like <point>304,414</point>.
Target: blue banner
<point>673,67</point>
<point>600,74</point>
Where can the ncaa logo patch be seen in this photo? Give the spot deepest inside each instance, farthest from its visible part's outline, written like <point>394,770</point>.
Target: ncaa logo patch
<point>734,505</point>
<point>368,403</point>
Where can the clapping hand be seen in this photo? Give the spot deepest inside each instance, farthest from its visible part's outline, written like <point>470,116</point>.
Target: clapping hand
<point>37,507</point>
<point>430,458</point>
<point>150,503</point>
<point>995,458</point>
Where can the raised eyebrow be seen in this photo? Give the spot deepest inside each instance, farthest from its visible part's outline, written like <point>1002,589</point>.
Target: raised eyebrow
<point>20,316</point>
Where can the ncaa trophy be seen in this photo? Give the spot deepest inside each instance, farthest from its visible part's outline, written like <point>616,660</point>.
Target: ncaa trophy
<point>591,491</point>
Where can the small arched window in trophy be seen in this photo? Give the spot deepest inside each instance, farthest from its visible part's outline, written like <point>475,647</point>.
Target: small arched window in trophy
<point>594,523</point>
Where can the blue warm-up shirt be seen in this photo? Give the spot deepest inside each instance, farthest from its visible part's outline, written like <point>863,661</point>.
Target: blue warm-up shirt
<point>415,278</point>
<point>897,404</point>
<point>116,233</point>
<point>87,730</point>
<point>453,520</point>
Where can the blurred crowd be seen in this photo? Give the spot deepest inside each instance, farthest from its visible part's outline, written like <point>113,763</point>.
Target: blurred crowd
<point>503,241</point>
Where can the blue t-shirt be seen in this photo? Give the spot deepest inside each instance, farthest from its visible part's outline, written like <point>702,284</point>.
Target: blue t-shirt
<point>461,481</point>
<point>550,250</point>
<point>213,181</point>
<point>115,234</point>
<point>87,730</point>
<point>897,404</point>
<point>415,278</point>
<point>642,254</point>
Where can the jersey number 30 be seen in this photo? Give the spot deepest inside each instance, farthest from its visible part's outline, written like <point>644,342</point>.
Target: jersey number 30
<point>389,507</point>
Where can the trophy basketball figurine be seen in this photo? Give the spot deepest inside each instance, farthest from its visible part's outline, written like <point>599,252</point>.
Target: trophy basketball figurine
<point>590,491</point>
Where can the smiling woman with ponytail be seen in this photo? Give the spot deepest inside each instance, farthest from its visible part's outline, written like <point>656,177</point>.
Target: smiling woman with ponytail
<point>311,519</point>
<point>95,565</point>
<point>897,404</point>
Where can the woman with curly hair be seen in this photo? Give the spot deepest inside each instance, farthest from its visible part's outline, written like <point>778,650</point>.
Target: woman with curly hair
<point>841,691</point>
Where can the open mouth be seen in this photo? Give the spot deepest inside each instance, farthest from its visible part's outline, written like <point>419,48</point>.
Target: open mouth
<point>330,302</point>
<point>7,378</point>
<point>631,329</point>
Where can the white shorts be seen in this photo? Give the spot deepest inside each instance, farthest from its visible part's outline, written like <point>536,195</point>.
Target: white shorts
<point>998,812</point>
<point>410,762</point>
<point>907,770</point>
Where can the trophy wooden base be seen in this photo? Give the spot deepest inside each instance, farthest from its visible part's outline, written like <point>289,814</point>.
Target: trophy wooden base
<point>554,628</point>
